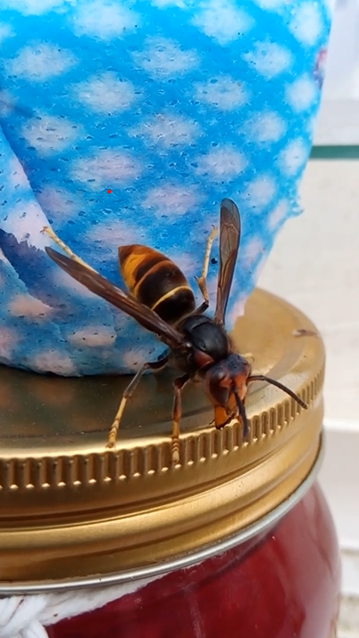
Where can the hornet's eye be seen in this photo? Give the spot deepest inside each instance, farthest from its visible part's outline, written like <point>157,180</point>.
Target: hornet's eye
<point>217,384</point>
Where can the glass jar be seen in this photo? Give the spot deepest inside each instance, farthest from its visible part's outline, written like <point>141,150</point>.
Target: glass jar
<point>281,584</point>
<point>236,537</point>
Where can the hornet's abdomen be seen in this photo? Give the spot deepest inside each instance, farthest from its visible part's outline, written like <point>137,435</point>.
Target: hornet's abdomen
<point>156,282</point>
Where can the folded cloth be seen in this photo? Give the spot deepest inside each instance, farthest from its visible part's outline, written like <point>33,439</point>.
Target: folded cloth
<point>128,122</point>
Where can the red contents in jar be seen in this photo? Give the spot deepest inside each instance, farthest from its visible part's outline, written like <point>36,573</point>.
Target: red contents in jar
<point>285,586</point>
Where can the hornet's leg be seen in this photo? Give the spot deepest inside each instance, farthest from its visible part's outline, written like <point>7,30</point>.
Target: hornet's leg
<point>176,414</point>
<point>201,281</point>
<point>155,366</point>
<point>66,249</point>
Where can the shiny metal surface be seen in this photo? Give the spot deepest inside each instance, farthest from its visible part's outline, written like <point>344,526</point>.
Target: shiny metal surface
<point>73,513</point>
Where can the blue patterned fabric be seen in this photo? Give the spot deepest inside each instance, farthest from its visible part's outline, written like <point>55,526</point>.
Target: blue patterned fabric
<point>169,104</point>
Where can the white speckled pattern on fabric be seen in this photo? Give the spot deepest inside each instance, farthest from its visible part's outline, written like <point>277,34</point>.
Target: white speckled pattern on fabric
<point>170,104</point>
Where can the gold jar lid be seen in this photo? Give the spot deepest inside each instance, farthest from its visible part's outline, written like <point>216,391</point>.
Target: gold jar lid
<point>74,513</point>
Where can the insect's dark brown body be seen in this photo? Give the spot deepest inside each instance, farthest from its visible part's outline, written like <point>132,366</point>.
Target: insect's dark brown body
<point>162,301</point>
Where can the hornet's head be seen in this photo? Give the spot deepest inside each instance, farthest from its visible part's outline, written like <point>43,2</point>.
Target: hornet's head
<point>226,387</point>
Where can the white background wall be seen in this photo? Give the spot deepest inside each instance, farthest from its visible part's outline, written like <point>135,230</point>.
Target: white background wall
<point>339,118</point>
